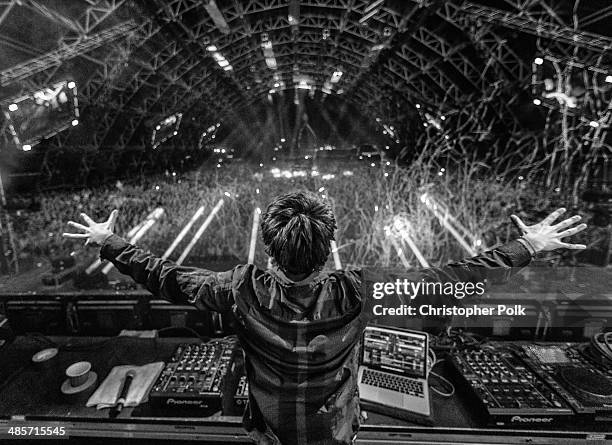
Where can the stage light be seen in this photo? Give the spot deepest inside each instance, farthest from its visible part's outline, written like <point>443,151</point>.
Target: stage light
<point>321,189</point>
<point>418,106</point>
<point>12,107</point>
<point>218,165</point>
<point>282,139</point>
<point>347,173</point>
<point>228,68</point>
<point>609,79</point>
<point>447,137</point>
<point>538,61</point>
<point>442,169</point>
<point>373,165</point>
<point>173,173</point>
<point>594,124</point>
<point>223,63</point>
<point>227,194</point>
<point>261,165</point>
<point>386,175</point>
<point>443,117</point>
<point>157,187</point>
<point>557,189</point>
<point>387,163</point>
<point>211,48</point>
<point>71,85</point>
<point>537,101</point>
<point>376,208</point>
<point>26,147</point>
<point>75,122</point>
<point>335,78</point>
<point>520,178</point>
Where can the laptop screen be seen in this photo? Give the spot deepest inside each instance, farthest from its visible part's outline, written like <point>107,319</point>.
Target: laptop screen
<point>395,350</point>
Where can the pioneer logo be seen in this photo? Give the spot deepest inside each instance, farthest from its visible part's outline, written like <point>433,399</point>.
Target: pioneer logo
<point>531,419</point>
<point>183,402</point>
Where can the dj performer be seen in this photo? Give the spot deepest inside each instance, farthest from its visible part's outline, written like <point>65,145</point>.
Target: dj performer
<point>300,327</point>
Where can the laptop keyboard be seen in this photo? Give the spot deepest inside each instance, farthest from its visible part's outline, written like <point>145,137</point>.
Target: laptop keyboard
<point>394,383</point>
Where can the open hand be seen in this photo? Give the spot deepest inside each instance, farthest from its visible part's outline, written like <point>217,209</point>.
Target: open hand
<point>95,233</point>
<point>544,236</point>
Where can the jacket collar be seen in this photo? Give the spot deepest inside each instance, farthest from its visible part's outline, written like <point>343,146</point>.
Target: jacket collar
<point>284,279</point>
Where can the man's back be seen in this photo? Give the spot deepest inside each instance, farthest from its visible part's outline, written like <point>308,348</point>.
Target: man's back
<point>300,341</point>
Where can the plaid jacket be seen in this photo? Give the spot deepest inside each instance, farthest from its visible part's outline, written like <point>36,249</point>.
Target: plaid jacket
<point>300,338</point>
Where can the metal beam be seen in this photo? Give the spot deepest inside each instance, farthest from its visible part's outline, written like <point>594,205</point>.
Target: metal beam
<point>55,58</point>
<point>527,24</point>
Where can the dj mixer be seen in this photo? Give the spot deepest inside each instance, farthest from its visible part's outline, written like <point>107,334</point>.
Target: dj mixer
<point>196,377</point>
<point>543,385</point>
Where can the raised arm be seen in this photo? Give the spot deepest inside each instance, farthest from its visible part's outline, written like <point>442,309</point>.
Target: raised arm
<point>164,279</point>
<point>502,262</point>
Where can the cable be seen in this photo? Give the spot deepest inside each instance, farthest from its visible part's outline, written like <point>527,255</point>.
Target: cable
<point>433,362</point>
<point>182,328</point>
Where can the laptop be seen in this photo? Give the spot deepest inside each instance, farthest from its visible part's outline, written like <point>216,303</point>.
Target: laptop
<point>393,370</point>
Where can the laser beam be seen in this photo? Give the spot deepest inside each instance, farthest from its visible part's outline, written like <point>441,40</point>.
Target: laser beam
<point>200,231</point>
<point>254,229</point>
<point>183,232</point>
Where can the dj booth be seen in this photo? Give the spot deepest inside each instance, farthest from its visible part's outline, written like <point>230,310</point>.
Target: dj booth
<point>30,396</point>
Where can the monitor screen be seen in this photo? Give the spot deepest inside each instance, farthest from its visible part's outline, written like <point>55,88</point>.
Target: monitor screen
<point>42,113</point>
<point>166,129</point>
<point>394,350</point>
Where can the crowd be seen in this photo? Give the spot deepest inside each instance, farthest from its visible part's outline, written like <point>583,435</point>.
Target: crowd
<point>366,199</point>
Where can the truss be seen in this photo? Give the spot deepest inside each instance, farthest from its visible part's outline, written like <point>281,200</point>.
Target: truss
<point>447,55</point>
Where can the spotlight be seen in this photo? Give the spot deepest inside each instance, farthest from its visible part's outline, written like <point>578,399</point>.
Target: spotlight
<point>538,61</point>
<point>75,122</point>
<point>418,106</point>
<point>71,85</point>
<point>609,79</point>
<point>211,48</point>
<point>594,124</point>
<point>13,107</point>
<point>537,101</point>
<point>26,147</point>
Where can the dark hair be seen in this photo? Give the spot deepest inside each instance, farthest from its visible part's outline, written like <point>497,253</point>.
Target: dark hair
<point>296,229</point>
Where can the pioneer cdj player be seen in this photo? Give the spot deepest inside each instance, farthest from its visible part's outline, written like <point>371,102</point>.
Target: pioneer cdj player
<point>196,377</point>
<point>574,372</point>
